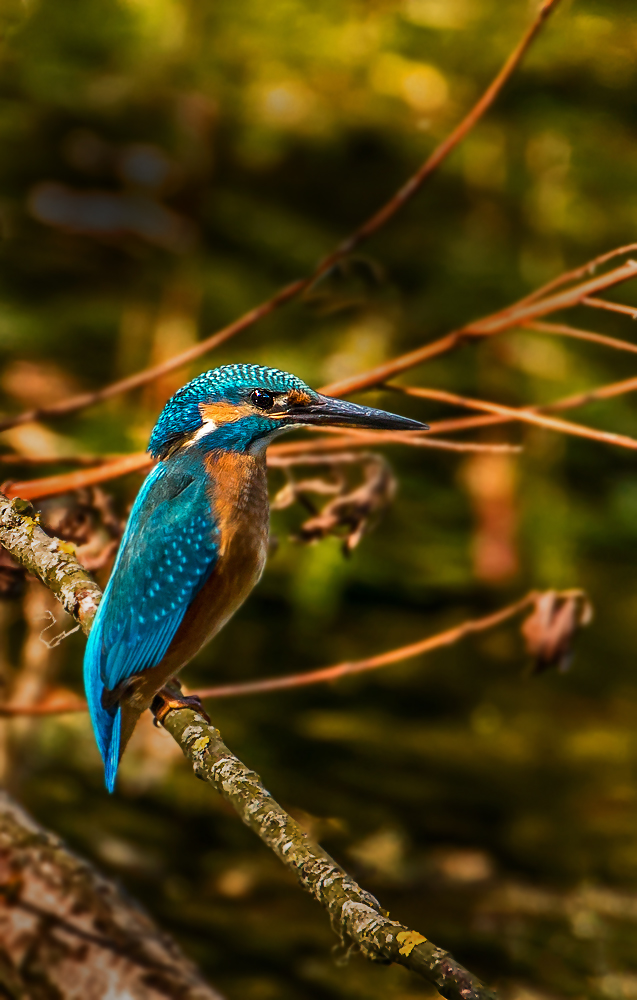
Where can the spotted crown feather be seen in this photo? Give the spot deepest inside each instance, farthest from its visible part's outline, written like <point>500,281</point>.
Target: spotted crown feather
<point>181,414</point>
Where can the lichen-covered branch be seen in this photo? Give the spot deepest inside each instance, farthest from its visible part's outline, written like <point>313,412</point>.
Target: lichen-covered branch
<point>50,559</point>
<point>68,932</point>
<point>356,916</point>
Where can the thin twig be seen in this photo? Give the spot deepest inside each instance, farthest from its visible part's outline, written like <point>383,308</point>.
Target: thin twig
<point>578,272</point>
<point>528,416</point>
<point>610,306</point>
<point>608,391</point>
<point>56,705</point>
<point>505,319</point>
<point>66,482</point>
<point>12,458</point>
<point>561,329</point>
<point>38,489</point>
<point>333,673</point>
<point>292,291</point>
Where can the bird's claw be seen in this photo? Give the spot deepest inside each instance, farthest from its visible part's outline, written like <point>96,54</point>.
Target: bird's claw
<point>169,698</point>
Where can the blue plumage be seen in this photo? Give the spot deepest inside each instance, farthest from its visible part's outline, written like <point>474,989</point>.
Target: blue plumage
<point>181,414</point>
<point>196,539</point>
<point>167,554</point>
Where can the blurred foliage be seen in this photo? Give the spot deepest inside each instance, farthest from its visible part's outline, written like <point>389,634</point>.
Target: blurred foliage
<point>168,164</point>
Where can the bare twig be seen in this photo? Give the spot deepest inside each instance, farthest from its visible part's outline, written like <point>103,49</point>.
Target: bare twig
<point>561,329</point>
<point>64,702</point>
<point>528,416</point>
<point>334,673</point>
<point>608,391</point>
<point>515,315</point>
<point>66,482</point>
<point>71,703</point>
<point>610,306</point>
<point>292,291</point>
<point>579,272</point>
<point>13,458</point>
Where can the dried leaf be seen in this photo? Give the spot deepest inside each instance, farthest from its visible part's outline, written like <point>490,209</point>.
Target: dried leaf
<point>88,526</point>
<point>550,629</point>
<point>348,516</point>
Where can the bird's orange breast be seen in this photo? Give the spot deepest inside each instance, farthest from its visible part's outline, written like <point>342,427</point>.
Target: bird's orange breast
<point>239,503</point>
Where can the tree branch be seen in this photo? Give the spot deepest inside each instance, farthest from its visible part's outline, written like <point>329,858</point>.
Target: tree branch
<point>60,702</point>
<point>528,415</point>
<point>356,916</point>
<point>50,559</point>
<point>293,453</point>
<point>519,313</point>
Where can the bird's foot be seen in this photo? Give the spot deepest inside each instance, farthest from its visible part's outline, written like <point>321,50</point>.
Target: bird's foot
<point>170,697</point>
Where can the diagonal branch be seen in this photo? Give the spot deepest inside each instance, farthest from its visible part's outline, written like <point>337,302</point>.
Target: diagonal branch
<point>334,673</point>
<point>562,330</point>
<point>66,482</point>
<point>608,391</point>
<point>515,315</point>
<point>59,703</point>
<point>528,415</point>
<point>356,916</point>
<point>294,290</point>
<point>610,306</point>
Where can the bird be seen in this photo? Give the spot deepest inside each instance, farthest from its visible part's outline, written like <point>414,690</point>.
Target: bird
<point>196,539</point>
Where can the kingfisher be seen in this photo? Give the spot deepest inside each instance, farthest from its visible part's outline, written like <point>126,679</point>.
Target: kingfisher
<point>196,540</point>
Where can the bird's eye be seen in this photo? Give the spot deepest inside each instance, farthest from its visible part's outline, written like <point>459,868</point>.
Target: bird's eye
<point>262,400</point>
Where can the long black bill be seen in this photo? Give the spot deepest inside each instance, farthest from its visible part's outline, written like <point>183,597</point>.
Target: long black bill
<point>340,413</point>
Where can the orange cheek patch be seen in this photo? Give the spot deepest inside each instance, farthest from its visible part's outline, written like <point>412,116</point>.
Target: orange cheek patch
<point>225,413</point>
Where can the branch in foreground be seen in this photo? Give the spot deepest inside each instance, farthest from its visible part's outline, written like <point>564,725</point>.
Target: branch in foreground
<point>50,559</point>
<point>294,290</point>
<point>356,916</point>
<point>69,930</point>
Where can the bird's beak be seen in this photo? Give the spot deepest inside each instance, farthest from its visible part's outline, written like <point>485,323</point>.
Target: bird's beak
<point>327,411</point>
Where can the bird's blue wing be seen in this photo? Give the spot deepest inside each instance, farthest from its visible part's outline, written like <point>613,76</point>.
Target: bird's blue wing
<point>167,553</point>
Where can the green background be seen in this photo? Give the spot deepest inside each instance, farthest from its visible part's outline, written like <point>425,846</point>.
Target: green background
<point>167,165</point>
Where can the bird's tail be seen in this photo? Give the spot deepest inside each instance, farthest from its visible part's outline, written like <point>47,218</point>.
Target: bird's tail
<point>107,722</point>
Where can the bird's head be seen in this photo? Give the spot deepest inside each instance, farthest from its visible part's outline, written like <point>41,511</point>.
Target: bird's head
<point>242,407</point>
